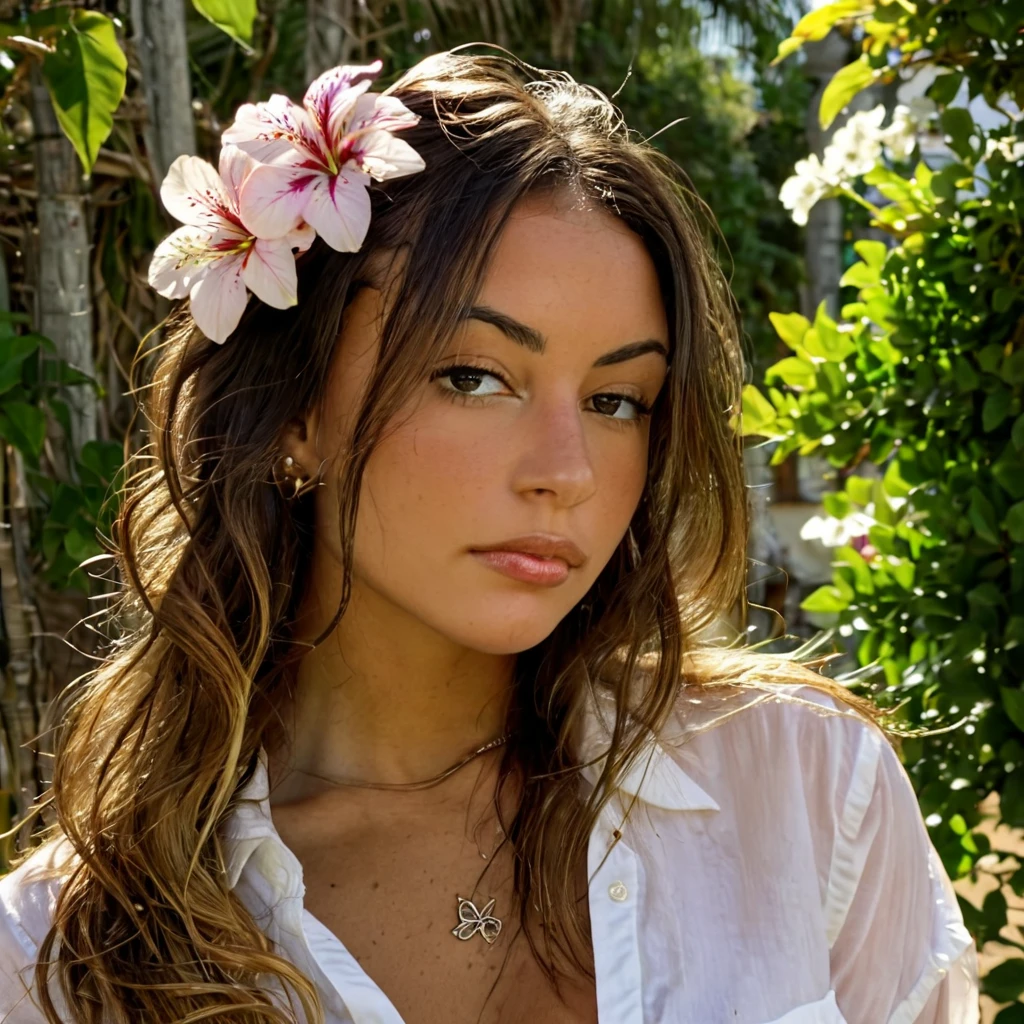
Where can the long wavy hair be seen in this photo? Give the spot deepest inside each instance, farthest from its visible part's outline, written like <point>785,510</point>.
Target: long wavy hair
<point>152,745</point>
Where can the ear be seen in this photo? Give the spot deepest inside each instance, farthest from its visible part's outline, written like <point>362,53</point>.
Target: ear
<point>298,439</point>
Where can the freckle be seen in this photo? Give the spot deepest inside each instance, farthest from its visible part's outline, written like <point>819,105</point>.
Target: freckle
<point>376,885</point>
<point>334,885</point>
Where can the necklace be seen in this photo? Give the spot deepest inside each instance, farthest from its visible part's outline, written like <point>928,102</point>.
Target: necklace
<point>412,786</point>
<point>473,920</point>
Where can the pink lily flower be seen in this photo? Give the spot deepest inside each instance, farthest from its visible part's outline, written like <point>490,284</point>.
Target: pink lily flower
<point>216,259</point>
<point>316,161</point>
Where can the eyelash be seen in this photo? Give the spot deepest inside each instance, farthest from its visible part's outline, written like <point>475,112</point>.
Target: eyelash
<point>642,409</point>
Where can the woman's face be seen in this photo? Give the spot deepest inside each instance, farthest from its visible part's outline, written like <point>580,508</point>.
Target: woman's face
<point>537,428</point>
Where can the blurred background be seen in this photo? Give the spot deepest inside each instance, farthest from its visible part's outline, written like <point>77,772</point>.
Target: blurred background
<point>862,162</point>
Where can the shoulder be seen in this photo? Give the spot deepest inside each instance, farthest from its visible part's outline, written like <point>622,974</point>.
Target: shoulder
<point>789,752</point>
<point>28,897</point>
<point>28,894</point>
<point>795,724</point>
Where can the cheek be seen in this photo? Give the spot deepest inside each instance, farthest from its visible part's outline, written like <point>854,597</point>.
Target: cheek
<point>434,461</point>
<point>426,485</point>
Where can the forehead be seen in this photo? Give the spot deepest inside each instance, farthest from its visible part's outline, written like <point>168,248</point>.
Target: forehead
<point>574,271</point>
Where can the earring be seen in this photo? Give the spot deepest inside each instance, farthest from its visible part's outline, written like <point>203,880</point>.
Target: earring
<point>300,484</point>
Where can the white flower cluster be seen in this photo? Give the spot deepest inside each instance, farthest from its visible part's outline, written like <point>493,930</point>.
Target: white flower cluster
<point>853,151</point>
<point>1009,147</point>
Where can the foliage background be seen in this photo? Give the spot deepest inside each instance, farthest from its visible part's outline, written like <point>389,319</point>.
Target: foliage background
<point>922,377</point>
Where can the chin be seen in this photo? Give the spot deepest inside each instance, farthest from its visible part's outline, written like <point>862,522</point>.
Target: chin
<point>500,630</point>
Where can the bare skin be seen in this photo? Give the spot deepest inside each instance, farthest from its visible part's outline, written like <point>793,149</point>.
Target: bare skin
<point>418,671</point>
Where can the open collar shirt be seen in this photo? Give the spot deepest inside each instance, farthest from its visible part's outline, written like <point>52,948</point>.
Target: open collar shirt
<point>773,868</point>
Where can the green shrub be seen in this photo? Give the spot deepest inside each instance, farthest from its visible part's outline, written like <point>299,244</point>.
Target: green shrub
<point>922,375</point>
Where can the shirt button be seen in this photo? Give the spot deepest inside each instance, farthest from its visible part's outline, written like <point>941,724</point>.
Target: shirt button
<point>618,892</point>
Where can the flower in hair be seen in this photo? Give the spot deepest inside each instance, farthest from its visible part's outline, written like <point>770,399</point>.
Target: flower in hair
<point>287,173</point>
<point>316,161</point>
<point>216,258</point>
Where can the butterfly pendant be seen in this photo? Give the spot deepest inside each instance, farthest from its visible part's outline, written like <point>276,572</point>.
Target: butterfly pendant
<point>473,920</point>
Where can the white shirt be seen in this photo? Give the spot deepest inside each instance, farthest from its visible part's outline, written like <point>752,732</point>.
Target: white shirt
<point>774,869</point>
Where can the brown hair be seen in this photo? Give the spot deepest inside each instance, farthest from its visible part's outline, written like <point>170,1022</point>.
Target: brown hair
<point>152,746</point>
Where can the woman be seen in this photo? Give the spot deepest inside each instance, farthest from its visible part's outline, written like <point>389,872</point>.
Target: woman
<point>411,720</point>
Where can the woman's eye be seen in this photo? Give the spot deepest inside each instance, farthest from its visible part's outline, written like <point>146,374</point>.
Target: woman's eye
<point>466,380</point>
<point>475,382</point>
<point>612,405</point>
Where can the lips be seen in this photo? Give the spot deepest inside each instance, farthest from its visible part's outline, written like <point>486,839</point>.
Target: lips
<point>541,545</point>
<point>543,559</point>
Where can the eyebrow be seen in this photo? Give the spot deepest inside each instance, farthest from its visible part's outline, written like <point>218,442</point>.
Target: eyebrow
<point>531,339</point>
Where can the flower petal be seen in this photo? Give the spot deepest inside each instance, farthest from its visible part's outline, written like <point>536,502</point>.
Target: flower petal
<point>302,237</point>
<point>382,156</point>
<point>268,271</point>
<point>178,261</point>
<point>274,131</point>
<point>273,198</point>
<point>385,113</point>
<point>193,193</point>
<point>339,209</point>
<point>235,165</point>
<point>218,298</point>
<point>331,98</point>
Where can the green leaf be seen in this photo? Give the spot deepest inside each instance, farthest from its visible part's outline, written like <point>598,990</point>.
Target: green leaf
<point>790,327</point>
<point>797,373</point>
<point>24,426</point>
<point>852,559</point>
<point>845,84</point>
<point>85,76</point>
<point>13,353</point>
<point>81,546</point>
<point>989,357</point>
<point>825,599</point>
<point>818,23</point>
<point>1012,1014</point>
<point>235,17</point>
<point>1005,982</point>
<point>903,573</point>
<point>1017,434</point>
<point>893,481</point>
<point>1012,370</point>
<point>1015,522</point>
<point>786,47</point>
<point>958,124</point>
<point>985,21</point>
<point>872,252</point>
<point>995,409</point>
<point>860,275</point>
<point>945,87</point>
<point>825,341</point>
<point>1002,299</point>
<point>1008,472</point>
<point>103,458</point>
<point>982,517</point>
<point>758,413</point>
<point>1013,702</point>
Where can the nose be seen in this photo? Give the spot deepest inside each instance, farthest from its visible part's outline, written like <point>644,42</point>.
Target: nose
<point>555,459</point>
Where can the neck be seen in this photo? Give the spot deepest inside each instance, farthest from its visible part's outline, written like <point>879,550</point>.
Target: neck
<point>387,699</point>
